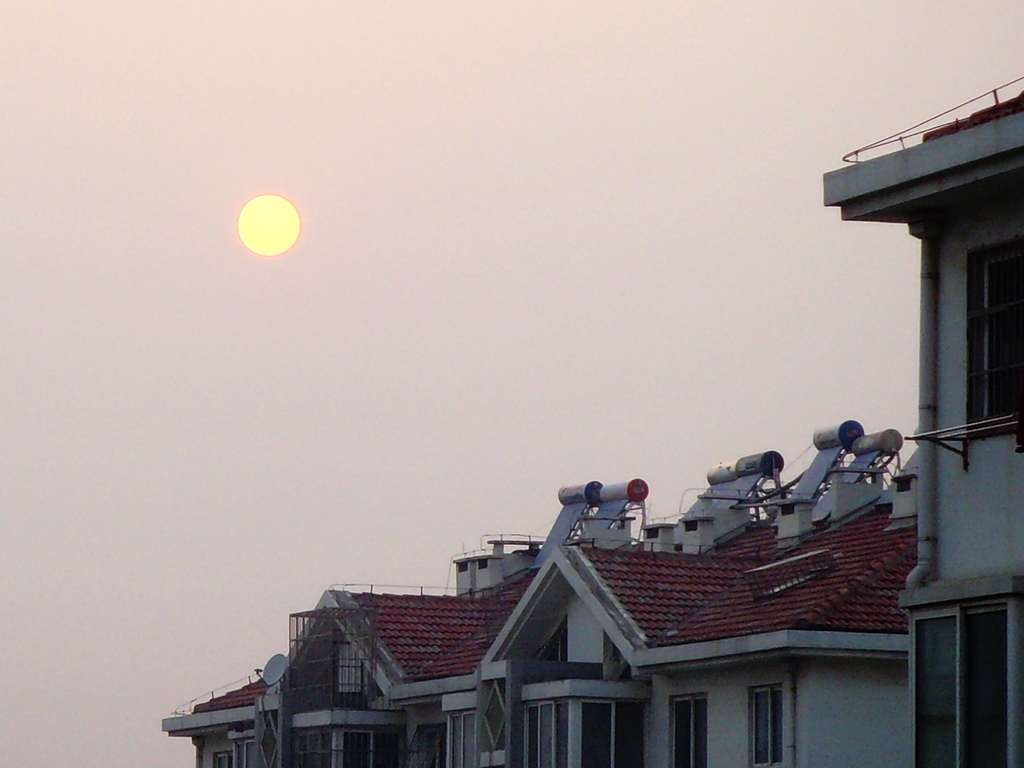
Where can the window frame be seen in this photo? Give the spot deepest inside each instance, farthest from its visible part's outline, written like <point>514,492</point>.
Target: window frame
<point>614,725</point>
<point>351,676</point>
<point>244,749</point>
<point>960,614</point>
<point>981,316</point>
<point>693,756</point>
<point>306,756</point>
<point>776,724</point>
<point>558,736</point>
<point>373,746</point>
<point>456,743</point>
<point>695,733</point>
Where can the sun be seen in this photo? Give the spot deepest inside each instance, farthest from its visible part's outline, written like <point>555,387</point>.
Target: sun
<point>269,225</point>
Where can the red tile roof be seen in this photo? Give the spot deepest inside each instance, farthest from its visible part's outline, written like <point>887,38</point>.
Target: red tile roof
<point>434,636</point>
<point>239,697</point>
<point>845,577</point>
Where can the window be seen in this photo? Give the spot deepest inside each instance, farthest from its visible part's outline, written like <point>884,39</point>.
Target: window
<point>245,754</point>
<point>556,647</point>
<point>351,677</point>
<point>612,735</point>
<point>690,732</point>
<point>985,688</point>
<point>935,692</point>
<point>428,748</point>
<point>965,651</point>
<point>222,760</point>
<point>995,330</point>
<point>462,744</point>
<point>312,749</point>
<point>366,749</point>
<point>547,735</point>
<point>766,725</point>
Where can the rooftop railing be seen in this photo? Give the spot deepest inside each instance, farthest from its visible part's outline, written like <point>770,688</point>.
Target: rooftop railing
<point>901,138</point>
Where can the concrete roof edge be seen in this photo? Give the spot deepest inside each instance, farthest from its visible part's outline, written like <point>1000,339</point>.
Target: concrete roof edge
<point>200,720</point>
<point>824,642</point>
<point>931,158</point>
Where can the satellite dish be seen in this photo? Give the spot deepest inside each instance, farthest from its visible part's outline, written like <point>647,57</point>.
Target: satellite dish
<point>274,669</point>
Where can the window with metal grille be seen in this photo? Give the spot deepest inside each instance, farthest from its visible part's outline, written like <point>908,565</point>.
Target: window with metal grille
<point>995,330</point>
<point>352,678</point>
<point>367,749</point>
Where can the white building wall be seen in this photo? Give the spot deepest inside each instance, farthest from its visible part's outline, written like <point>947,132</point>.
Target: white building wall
<point>980,511</point>
<point>852,714</point>
<point>586,638</point>
<point>727,692</point>
<point>216,743</point>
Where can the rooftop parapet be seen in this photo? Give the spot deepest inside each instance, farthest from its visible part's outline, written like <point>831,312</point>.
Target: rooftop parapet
<point>913,183</point>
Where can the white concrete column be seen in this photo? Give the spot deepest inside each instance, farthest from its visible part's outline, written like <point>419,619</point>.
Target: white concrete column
<point>659,745</point>
<point>790,732</point>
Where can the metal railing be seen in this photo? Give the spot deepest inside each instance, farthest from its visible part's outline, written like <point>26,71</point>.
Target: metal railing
<point>923,127</point>
<point>188,706</point>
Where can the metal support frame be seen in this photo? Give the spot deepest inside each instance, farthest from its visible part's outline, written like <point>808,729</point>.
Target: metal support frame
<point>965,433</point>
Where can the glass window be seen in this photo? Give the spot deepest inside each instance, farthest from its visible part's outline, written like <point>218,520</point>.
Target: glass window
<point>387,750</point>
<point>690,732</point>
<point>222,760</point>
<point>367,749</point>
<point>462,745</point>
<point>312,748</point>
<point>961,658</point>
<point>428,747</point>
<point>469,740</point>
<point>612,735</point>
<point>776,709</point>
<point>562,735</point>
<point>245,754</point>
<point>532,737</point>
<point>596,737</point>
<point>540,735</point>
<point>629,734</point>
<point>556,647</point>
<point>766,725</point>
<point>985,689</point>
<point>935,689</point>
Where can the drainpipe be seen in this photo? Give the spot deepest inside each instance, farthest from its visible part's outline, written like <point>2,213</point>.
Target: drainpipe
<point>792,668</point>
<point>928,231</point>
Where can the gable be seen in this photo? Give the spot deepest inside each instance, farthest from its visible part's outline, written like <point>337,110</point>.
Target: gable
<point>560,600</point>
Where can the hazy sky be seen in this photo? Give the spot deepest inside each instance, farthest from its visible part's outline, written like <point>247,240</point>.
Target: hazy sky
<point>544,243</point>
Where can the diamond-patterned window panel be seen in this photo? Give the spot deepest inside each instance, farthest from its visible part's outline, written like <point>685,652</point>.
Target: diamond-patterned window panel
<point>494,716</point>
